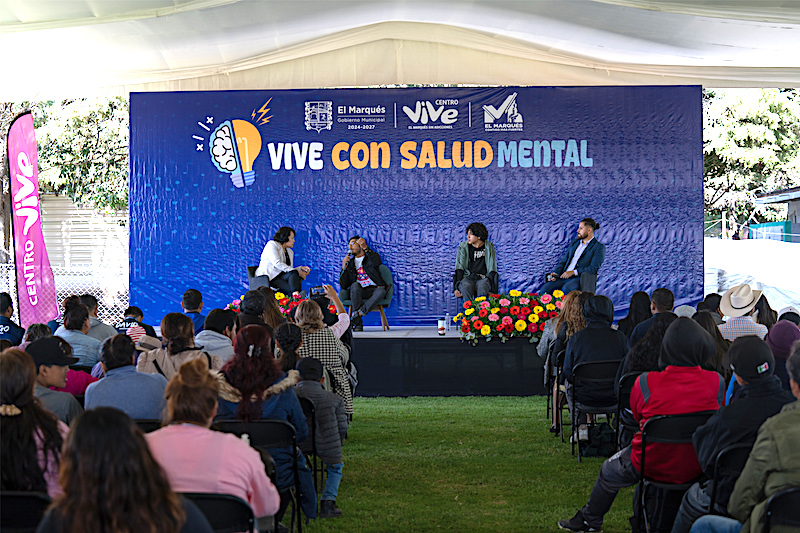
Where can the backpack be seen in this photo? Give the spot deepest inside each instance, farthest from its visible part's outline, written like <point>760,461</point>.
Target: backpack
<point>602,441</point>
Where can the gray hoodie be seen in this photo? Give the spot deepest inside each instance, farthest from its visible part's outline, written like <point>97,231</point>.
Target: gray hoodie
<point>215,344</point>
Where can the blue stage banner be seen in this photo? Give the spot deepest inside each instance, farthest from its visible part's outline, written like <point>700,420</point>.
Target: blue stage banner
<point>215,174</point>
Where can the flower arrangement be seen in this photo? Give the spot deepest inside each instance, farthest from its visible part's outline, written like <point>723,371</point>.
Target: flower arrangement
<point>285,304</point>
<point>236,305</point>
<point>515,314</point>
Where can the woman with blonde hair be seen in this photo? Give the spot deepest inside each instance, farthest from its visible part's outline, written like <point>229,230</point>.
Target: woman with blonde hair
<point>186,442</point>
<point>177,330</point>
<point>323,343</point>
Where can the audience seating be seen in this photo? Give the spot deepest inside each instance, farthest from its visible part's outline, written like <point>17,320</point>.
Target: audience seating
<point>781,509</point>
<point>624,388</point>
<point>148,425</point>
<point>730,460</point>
<point>666,429</point>
<point>600,373</point>
<point>316,464</point>
<point>225,513</point>
<point>386,274</point>
<point>22,511</point>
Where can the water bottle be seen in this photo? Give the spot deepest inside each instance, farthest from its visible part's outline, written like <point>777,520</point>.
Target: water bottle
<point>447,321</point>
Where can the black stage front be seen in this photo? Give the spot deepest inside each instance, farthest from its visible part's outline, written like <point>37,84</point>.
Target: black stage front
<point>419,362</point>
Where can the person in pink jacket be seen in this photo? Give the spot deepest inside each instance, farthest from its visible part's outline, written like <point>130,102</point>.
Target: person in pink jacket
<point>197,459</point>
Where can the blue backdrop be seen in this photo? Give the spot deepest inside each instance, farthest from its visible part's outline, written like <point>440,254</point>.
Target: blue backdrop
<point>409,169</point>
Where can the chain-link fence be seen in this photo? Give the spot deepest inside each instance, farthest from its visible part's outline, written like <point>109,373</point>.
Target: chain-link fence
<point>110,288</point>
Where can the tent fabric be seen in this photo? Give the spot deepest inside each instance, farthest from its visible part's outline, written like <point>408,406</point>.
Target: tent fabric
<point>60,48</point>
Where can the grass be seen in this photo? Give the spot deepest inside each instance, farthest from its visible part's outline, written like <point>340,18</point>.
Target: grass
<point>461,464</point>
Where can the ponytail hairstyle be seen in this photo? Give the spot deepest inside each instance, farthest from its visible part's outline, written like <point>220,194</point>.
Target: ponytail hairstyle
<point>252,369</point>
<point>288,337</point>
<point>191,394</point>
<point>591,223</point>
<point>22,417</point>
<point>178,330</point>
<point>76,315</point>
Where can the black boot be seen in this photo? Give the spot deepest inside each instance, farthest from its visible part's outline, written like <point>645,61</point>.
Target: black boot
<point>328,509</point>
<point>356,322</point>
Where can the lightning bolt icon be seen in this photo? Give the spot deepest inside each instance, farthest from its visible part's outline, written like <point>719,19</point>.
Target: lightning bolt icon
<point>261,112</point>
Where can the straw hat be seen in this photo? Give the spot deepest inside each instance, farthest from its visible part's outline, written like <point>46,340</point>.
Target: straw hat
<point>739,300</point>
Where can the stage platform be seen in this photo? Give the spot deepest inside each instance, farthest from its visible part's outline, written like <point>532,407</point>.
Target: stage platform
<point>417,361</point>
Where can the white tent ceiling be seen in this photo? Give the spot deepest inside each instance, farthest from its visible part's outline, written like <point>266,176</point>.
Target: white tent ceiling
<point>55,48</point>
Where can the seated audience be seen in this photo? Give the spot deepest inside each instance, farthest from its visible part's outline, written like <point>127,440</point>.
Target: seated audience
<point>273,317</point>
<point>9,329</point>
<point>251,388</point>
<point>32,435</point>
<point>192,305</point>
<point>361,278</point>
<point>570,321</point>
<point>186,442</point>
<point>218,333</point>
<point>137,394</point>
<point>711,304</point>
<point>253,308</point>
<point>288,339</point>
<point>77,380</point>
<point>681,387</point>
<point>773,465</point>
<point>178,332</point>
<point>760,398</point>
<point>719,361</point>
<point>133,316</point>
<point>112,483</point>
<point>59,321</point>
<point>75,331</point>
<point>661,301</point>
<point>780,339</point>
<point>52,360</point>
<point>764,314</point>
<point>644,355</point>
<point>331,429</point>
<point>738,304</point>
<point>97,329</point>
<point>791,314</point>
<point>323,343</point>
<point>638,312</point>
<point>476,264</point>
<point>276,267</point>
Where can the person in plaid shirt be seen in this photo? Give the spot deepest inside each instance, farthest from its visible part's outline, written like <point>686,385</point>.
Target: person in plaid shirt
<point>738,304</point>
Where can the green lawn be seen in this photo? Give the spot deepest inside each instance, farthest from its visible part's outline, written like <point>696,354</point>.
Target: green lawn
<point>461,464</point>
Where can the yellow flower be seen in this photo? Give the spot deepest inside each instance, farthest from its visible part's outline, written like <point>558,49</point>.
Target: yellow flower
<point>558,294</point>
<point>278,296</point>
<point>533,317</point>
<point>520,325</point>
<point>494,310</point>
<point>479,299</point>
<point>469,311</point>
<point>538,309</point>
<point>550,307</point>
<point>485,330</point>
<point>515,293</point>
<point>457,317</point>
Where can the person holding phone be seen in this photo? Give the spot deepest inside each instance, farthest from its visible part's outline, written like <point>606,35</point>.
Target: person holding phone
<point>276,263</point>
<point>361,277</point>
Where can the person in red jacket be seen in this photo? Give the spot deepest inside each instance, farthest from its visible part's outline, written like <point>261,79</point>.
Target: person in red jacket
<point>680,387</point>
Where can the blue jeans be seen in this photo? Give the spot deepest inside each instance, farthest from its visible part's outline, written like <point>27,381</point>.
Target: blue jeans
<point>566,285</point>
<point>716,524</point>
<point>331,490</point>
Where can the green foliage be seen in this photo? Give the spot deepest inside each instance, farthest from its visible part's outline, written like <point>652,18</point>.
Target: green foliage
<point>751,139</point>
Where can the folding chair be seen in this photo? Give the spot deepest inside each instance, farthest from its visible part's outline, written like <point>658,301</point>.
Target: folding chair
<point>21,510</point>
<point>551,365</point>
<point>781,509</point>
<point>316,463</point>
<point>148,425</point>
<point>265,434</point>
<point>602,374</point>
<point>225,513</point>
<point>730,461</point>
<point>665,429</point>
<point>624,388</point>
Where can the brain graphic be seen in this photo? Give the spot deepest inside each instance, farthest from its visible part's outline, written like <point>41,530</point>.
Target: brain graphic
<point>222,150</point>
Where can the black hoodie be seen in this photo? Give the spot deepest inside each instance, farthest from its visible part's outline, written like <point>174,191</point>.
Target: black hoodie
<point>686,343</point>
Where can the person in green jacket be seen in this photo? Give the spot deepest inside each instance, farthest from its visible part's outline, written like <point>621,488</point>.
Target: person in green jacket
<point>476,264</point>
<point>773,465</point>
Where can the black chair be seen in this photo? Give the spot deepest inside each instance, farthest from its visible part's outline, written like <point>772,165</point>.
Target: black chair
<point>316,463</point>
<point>588,282</point>
<point>729,462</point>
<point>781,509</point>
<point>148,425</point>
<point>225,513</point>
<point>624,388</point>
<point>22,511</point>
<point>665,429</point>
<point>265,434</point>
<point>559,362</point>
<point>602,375</point>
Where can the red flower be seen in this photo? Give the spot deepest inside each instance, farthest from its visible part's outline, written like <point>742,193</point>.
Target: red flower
<point>525,310</point>
<point>483,312</point>
<point>477,325</point>
<point>494,296</point>
<point>500,327</point>
<point>541,326</point>
<point>465,328</point>
<point>533,327</point>
<point>504,310</point>
<point>522,316</point>
<point>514,309</point>
<point>553,314</point>
<point>509,328</point>
<point>283,301</point>
<point>467,304</point>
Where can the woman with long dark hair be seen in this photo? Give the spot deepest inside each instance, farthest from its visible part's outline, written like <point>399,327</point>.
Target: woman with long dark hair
<point>645,353</point>
<point>638,311</point>
<point>177,330</point>
<point>765,314</point>
<point>111,483</point>
<point>288,339</point>
<point>272,312</point>
<point>719,361</point>
<point>32,435</point>
<point>276,265</point>
<point>251,388</point>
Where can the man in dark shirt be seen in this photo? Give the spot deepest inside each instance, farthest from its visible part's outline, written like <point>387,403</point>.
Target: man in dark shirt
<point>361,277</point>
<point>476,264</point>
<point>584,255</point>
<point>134,317</point>
<point>661,301</point>
<point>8,329</point>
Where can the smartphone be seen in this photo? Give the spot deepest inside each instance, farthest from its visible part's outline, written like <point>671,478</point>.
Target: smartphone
<point>319,290</point>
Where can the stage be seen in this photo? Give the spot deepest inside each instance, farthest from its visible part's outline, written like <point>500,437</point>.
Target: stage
<point>417,361</point>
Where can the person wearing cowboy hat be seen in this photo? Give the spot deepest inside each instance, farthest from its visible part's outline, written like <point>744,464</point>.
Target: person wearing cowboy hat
<point>738,304</point>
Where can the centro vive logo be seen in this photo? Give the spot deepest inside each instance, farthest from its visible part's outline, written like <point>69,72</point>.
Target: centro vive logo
<point>426,114</point>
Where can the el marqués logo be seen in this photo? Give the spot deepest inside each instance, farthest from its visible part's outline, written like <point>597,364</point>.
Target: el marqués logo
<point>234,144</point>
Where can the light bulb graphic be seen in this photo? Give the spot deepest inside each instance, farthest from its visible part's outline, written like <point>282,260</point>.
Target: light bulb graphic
<point>234,145</point>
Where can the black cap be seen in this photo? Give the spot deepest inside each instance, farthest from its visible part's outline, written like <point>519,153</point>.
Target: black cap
<point>50,351</point>
<point>751,358</point>
<point>309,368</point>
